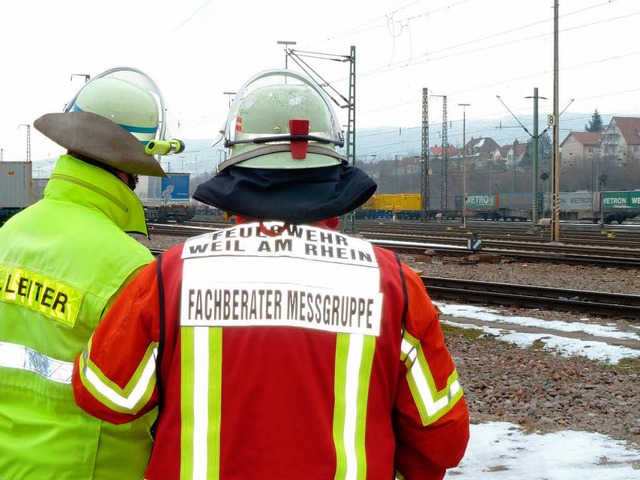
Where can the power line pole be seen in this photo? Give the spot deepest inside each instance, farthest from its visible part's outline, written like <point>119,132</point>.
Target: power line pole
<point>535,136</point>
<point>464,163</point>
<point>86,76</point>
<point>444,204</point>
<point>28,140</point>
<point>351,109</point>
<point>424,183</point>
<point>229,95</point>
<point>349,103</point>
<point>536,152</point>
<point>351,129</point>
<point>513,166</point>
<point>555,231</point>
<point>287,50</point>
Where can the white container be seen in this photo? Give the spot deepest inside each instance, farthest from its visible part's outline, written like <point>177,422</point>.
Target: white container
<point>16,190</point>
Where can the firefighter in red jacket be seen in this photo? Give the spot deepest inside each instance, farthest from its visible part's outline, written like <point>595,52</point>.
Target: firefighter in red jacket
<point>280,348</point>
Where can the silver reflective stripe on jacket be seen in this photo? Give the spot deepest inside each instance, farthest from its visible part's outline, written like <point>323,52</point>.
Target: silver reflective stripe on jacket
<point>24,358</point>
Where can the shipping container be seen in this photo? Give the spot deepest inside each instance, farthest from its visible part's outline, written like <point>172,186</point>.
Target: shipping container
<point>166,199</point>
<point>15,188</point>
<point>578,201</point>
<point>397,201</point>
<point>156,191</point>
<point>482,202</point>
<point>15,184</point>
<point>515,201</point>
<point>621,200</point>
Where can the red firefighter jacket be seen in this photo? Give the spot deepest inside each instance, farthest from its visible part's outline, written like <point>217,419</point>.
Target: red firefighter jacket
<point>307,354</point>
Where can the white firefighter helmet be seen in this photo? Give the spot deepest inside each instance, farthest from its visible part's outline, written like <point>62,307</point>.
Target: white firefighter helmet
<point>96,120</point>
<point>281,119</point>
<point>125,96</point>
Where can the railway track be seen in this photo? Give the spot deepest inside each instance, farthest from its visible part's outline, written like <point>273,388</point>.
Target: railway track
<point>523,252</point>
<point>592,241</point>
<point>528,296</point>
<point>620,236</point>
<point>561,253</point>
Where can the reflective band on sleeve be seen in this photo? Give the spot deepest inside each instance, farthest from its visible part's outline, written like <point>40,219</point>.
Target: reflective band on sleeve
<point>25,358</point>
<point>431,402</point>
<point>125,400</point>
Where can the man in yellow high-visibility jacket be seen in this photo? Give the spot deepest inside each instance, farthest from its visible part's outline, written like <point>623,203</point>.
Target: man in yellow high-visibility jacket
<point>62,262</point>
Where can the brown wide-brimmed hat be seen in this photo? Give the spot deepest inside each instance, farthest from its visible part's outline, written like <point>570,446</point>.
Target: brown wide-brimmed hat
<point>100,139</point>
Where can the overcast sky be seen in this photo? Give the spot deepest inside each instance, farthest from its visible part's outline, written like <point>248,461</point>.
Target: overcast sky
<point>469,50</point>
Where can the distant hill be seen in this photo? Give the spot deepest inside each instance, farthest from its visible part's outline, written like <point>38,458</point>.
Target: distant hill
<point>387,142</point>
<point>374,144</point>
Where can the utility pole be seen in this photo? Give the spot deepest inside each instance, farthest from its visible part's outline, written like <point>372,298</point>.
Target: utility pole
<point>349,103</point>
<point>424,183</point>
<point>28,140</point>
<point>464,163</point>
<point>444,204</point>
<point>513,166</point>
<point>86,76</point>
<point>536,152</point>
<point>286,44</point>
<point>351,107</point>
<point>555,231</point>
<point>535,136</point>
<point>351,129</point>
<point>229,95</point>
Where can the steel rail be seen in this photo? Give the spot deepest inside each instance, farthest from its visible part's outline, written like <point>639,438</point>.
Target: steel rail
<point>523,252</point>
<point>529,296</point>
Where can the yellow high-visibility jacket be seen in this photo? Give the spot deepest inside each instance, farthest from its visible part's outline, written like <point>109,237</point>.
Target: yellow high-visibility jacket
<point>61,262</point>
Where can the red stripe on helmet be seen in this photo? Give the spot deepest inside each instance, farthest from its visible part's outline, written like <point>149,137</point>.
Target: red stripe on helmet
<point>299,147</point>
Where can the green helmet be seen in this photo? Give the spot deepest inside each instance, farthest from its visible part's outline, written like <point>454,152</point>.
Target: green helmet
<point>112,119</point>
<point>281,119</point>
<point>125,96</point>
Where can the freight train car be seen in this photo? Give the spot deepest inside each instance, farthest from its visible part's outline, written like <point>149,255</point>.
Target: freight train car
<point>166,199</point>
<point>617,206</point>
<point>15,188</point>
<point>612,206</point>
<point>576,206</point>
<point>515,207</point>
<point>401,206</point>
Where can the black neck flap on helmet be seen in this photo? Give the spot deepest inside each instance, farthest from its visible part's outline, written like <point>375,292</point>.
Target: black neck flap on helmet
<point>282,135</point>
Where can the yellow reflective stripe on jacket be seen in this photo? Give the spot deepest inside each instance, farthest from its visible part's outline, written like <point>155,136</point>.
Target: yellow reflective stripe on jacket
<point>41,293</point>
<point>431,402</point>
<point>201,402</point>
<point>134,395</point>
<point>21,357</point>
<point>354,360</point>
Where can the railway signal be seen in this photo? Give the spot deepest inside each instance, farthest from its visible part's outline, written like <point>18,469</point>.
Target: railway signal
<point>474,243</point>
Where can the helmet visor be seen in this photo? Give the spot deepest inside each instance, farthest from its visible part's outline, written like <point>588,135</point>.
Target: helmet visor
<point>266,102</point>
